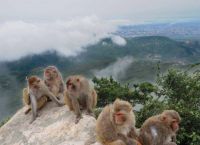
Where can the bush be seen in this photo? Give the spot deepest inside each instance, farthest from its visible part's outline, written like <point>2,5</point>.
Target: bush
<point>177,90</point>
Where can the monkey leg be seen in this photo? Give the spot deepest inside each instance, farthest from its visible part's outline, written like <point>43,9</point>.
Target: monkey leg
<point>117,142</point>
<point>41,102</point>
<point>94,97</point>
<point>27,110</point>
<point>77,110</point>
<point>89,105</point>
<point>26,97</point>
<point>68,102</point>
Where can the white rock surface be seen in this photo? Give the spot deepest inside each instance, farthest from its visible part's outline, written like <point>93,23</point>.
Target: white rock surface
<point>54,126</point>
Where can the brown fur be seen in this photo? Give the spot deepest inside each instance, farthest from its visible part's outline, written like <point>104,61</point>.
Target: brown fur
<point>109,132</point>
<point>53,80</point>
<point>27,102</point>
<point>158,130</point>
<point>79,95</point>
<point>36,90</point>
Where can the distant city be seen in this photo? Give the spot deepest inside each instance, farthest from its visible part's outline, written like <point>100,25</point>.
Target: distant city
<point>182,30</point>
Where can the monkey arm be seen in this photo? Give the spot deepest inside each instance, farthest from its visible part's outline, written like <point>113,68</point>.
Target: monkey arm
<point>53,98</point>
<point>75,105</point>
<point>33,106</point>
<point>61,87</point>
<point>45,91</point>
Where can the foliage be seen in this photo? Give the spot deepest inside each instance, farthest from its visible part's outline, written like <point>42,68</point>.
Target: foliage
<point>176,90</point>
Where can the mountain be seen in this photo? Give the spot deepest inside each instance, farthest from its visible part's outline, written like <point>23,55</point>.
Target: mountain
<point>135,61</point>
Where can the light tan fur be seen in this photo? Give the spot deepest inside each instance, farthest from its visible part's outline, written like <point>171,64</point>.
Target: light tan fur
<point>37,90</point>
<point>159,129</point>
<point>110,132</point>
<point>79,95</point>
<point>53,80</point>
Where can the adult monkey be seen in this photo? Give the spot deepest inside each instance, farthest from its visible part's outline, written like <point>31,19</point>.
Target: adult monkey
<point>116,124</point>
<point>160,129</point>
<point>80,95</point>
<point>53,80</point>
<point>37,89</point>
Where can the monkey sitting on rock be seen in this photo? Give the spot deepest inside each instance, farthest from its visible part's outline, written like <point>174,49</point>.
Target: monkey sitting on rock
<point>53,80</point>
<point>80,95</point>
<point>37,91</point>
<point>116,124</point>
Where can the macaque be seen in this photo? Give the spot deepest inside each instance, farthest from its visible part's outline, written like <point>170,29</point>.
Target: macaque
<point>53,80</point>
<point>27,102</point>
<point>79,95</point>
<point>116,124</point>
<point>37,89</point>
<point>160,129</point>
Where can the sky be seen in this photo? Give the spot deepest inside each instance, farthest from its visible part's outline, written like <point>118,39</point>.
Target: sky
<point>35,26</point>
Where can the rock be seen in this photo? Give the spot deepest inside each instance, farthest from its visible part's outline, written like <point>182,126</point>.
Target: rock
<point>54,126</point>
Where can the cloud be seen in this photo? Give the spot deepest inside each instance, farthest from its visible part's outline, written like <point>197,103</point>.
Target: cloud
<point>19,38</point>
<point>118,40</point>
<point>117,69</point>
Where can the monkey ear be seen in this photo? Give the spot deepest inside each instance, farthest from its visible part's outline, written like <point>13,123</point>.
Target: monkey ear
<point>67,83</point>
<point>163,117</point>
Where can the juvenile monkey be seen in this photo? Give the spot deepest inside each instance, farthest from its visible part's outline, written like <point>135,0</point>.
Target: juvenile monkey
<point>79,95</point>
<point>37,89</point>
<point>160,129</point>
<point>53,80</point>
<point>27,102</point>
<point>116,124</point>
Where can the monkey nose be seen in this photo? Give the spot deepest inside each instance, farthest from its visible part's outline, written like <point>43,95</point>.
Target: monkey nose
<point>73,87</point>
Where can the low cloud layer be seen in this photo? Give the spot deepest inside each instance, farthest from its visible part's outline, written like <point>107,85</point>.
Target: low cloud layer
<point>118,40</point>
<point>117,69</point>
<point>19,38</point>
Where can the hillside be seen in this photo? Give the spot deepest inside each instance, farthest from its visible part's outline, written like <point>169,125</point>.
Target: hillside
<point>134,62</point>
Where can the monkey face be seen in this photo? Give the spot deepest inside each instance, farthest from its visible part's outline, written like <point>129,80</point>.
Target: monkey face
<point>73,83</point>
<point>51,73</point>
<point>172,119</point>
<point>33,81</point>
<point>120,117</point>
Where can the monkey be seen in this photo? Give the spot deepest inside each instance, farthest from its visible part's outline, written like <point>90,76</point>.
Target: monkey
<point>38,89</point>
<point>53,80</point>
<point>116,124</point>
<point>80,95</point>
<point>26,101</point>
<point>160,129</point>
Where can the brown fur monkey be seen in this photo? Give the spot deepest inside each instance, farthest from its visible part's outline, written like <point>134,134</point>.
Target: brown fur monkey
<point>38,89</point>
<point>53,80</point>
<point>116,124</point>
<point>160,129</point>
<point>27,102</point>
<point>79,95</point>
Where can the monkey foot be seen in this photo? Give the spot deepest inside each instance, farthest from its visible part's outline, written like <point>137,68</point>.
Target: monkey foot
<point>77,119</point>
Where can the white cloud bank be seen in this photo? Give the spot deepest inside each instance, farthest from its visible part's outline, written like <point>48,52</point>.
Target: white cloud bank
<point>117,70</point>
<point>118,40</point>
<point>19,38</point>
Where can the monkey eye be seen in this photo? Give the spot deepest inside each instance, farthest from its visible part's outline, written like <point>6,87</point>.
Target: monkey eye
<point>77,80</point>
<point>38,81</point>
